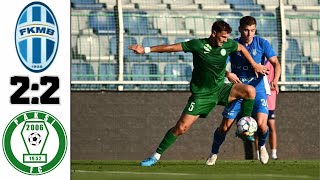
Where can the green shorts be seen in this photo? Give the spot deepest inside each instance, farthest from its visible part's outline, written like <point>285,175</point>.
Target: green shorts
<point>203,105</point>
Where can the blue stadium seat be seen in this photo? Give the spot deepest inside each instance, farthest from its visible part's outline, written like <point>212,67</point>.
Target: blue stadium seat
<point>82,72</point>
<point>164,57</point>
<point>87,4</point>
<point>266,23</point>
<point>306,72</point>
<point>178,72</point>
<point>128,54</point>
<point>137,23</point>
<point>108,72</point>
<point>186,57</point>
<point>145,72</point>
<point>244,5</point>
<point>293,52</point>
<point>232,18</point>
<point>102,22</point>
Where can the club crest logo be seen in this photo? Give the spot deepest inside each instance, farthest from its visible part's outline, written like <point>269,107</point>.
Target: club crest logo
<point>254,52</point>
<point>36,37</point>
<point>223,52</point>
<point>34,142</point>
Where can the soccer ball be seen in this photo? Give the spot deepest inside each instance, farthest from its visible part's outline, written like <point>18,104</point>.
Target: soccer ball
<point>247,126</point>
<point>34,139</point>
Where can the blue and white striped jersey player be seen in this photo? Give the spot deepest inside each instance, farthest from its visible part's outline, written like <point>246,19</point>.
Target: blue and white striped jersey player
<point>242,72</point>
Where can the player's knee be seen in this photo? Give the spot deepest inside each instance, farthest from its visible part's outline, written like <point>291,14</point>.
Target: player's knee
<point>251,91</point>
<point>180,129</point>
<point>223,129</point>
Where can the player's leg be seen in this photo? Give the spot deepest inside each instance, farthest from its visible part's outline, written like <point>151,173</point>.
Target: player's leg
<point>273,135</point>
<point>261,115</point>
<point>218,139</point>
<point>182,126</point>
<point>229,113</point>
<point>245,92</point>
<point>195,107</point>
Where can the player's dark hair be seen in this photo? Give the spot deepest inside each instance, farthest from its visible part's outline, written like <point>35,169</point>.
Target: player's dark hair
<point>221,25</point>
<point>247,21</point>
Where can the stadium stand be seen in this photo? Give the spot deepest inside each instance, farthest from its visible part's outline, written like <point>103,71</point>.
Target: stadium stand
<point>266,23</point>
<point>233,19</point>
<point>137,23</point>
<point>293,51</point>
<point>94,47</point>
<point>244,5</point>
<point>186,57</point>
<point>311,48</point>
<point>128,55</point>
<point>150,5</point>
<point>87,4</point>
<point>94,30</point>
<point>178,72</point>
<point>161,57</point>
<point>145,72</point>
<point>102,22</point>
<point>185,5</point>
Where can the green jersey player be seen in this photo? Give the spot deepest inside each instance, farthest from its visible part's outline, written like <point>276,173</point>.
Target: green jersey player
<point>207,84</point>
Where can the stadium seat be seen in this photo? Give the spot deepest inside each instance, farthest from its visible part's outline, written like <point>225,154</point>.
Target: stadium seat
<point>82,72</point>
<point>108,72</point>
<point>94,47</point>
<point>79,21</point>
<point>300,27</point>
<point>87,4</point>
<point>102,22</point>
<point>170,26</point>
<point>266,23</point>
<point>288,73</point>
<point>150,5</point>
<point>306,72</point>
<point>244,5</point>
<point>268,5</point>
<point>293,52</point>
<point>185,5</point>
<point>164,57</point>
<point>200,26</point>
<point>311,47</point>
<point>145,72</point>
<point>232,18</point>
<point>186,57</point>
<point>137,23</point>
<point>178,72</point>
<point>216,5</point>
<point>128,54</point>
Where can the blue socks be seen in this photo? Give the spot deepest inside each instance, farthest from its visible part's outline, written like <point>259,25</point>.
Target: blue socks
<point>218,139</point>
<point>262,138</point>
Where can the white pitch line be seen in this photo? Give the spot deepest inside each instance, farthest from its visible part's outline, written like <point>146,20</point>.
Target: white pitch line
<point>188,174</point>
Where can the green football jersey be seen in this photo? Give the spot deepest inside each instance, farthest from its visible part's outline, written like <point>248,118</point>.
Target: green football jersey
<point>209,64</point>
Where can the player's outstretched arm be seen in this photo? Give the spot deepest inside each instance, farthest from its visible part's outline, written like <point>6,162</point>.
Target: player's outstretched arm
<point>258,68</point>
<point>138,49</point>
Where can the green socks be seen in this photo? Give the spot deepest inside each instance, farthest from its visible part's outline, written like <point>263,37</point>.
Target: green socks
<point>166,142</point>
<point>247,107</point>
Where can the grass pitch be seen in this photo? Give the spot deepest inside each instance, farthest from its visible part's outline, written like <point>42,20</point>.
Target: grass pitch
<point>187,170</point>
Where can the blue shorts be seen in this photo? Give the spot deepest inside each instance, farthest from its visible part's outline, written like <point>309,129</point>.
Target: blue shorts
<point>260,106</point>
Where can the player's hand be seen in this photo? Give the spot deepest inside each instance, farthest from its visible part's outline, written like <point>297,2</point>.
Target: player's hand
<point>232,77</point>
<point>260,69</point>
<point>136,48</point>
<point>274,86</point>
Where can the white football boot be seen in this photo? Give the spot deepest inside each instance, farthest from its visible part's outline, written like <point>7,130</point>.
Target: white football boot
<point>264,156</point>
<point>211,159</point>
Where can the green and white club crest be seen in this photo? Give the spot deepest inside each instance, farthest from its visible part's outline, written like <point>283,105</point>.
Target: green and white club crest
<point>34,142</point>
